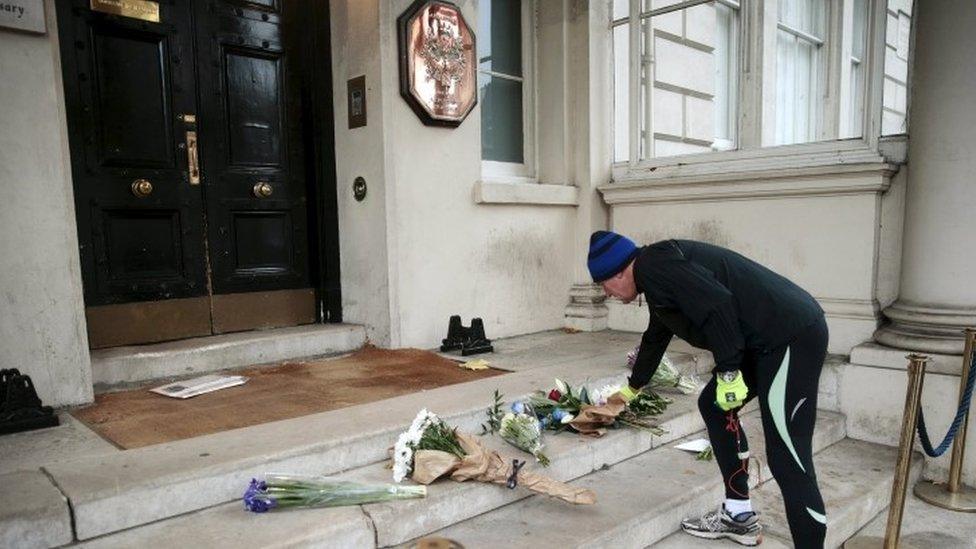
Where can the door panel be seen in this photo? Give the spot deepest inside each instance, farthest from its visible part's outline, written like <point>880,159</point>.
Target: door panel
<point>253,119</point>
<point>126,83</point>
<point>142,245</point>
<point>133,112</point>
<point>252,137</point>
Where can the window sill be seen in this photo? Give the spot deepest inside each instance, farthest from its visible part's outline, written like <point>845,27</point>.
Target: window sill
<point>821,169</point>
<point>525,191</point>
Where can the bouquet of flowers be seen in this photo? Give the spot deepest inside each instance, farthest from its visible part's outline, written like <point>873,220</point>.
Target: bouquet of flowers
<point>559,406</point>
<point>666,376</point>
<point>282,491</point>
<point>521,429</point>
<point>427,432</point>
<point>565,406</point>
<point>431,449</point>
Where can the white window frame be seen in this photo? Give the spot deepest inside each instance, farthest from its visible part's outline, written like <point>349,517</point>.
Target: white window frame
<point>756,104</point>
<point>525,172</point>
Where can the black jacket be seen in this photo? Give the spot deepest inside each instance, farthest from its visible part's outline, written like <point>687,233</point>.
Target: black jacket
<point>714,299</point>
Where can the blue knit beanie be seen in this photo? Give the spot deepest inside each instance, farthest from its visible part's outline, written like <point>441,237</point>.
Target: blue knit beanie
<point>609,254</point>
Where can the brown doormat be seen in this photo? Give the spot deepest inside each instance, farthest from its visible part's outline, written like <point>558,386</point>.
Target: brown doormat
<point>136,418</point>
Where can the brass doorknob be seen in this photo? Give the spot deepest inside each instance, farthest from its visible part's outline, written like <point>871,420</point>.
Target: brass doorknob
<point>262,189</point>
<point>141,188</point>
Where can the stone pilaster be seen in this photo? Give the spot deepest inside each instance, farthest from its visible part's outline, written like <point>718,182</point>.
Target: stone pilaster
<point>937,297</point>
<point>587,310</point>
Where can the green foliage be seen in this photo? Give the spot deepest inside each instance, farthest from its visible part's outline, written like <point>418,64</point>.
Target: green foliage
<point>494,414</point>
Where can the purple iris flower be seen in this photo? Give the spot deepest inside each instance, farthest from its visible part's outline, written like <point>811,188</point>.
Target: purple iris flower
<point>256,498</point>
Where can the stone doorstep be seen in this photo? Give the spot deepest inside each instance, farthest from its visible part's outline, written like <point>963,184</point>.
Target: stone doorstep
<point>34,513</point>
<point>677,485</point>
<point>137,363</point>
<point>396,522</point>
<point>571,457</point>
<point>855,480</point>
<point>117,491</point>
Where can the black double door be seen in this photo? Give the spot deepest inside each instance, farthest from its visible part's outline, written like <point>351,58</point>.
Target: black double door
<point>189,168</point>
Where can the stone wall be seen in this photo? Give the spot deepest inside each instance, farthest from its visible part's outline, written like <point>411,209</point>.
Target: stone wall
<point>42,328</point>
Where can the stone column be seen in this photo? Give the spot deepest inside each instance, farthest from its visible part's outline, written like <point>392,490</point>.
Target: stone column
<point>588,108</point>
<point>937,296</point>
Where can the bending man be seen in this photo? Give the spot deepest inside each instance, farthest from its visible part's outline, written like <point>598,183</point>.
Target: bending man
<point>769,340</point>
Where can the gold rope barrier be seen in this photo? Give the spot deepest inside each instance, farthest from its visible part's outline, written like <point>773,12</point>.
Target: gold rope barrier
<point>953,495</point>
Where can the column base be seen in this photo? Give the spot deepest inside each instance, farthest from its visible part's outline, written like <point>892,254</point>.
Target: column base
<point>926,329</point>
<point>587,310</point>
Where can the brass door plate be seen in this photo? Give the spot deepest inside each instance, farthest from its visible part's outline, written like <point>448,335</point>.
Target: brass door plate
<point>136,9</point>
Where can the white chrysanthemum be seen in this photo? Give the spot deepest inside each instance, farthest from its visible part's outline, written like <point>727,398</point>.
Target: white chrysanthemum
<point>422,421</point>
<point>402,460</point>
<point>413,436</point>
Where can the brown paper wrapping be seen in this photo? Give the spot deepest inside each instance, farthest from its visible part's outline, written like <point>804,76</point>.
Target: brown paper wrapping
<point>486,465</point>
<point>593,420</point>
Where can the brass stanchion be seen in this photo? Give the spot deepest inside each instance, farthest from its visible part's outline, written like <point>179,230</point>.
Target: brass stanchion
<point>953,495</point>
<point>916,376</point>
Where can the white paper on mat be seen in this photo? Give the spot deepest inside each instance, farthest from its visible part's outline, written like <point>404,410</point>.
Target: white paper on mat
<point>695,446</point>
<point>198,386</point>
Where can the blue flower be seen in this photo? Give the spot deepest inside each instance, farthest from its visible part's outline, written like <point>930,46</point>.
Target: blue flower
<point>544,423</point>
<point>256,499</point>
<point>558,414</point>
<point>518,407</point>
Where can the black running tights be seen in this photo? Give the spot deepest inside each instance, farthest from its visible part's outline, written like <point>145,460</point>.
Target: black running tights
<point>785,380</point>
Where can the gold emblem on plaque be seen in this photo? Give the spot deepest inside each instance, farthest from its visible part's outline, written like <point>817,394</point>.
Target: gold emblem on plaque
<point>136,9</point>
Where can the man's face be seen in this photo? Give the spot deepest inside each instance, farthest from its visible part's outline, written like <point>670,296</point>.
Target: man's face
<point>621,286</point>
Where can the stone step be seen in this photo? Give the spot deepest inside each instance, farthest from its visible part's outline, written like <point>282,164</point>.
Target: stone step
<point>113,492</point>
<point>447,502</point>
<point>136,363</point>
<point>34,513</point>
<point>855,480</point>
<point>641,500</point>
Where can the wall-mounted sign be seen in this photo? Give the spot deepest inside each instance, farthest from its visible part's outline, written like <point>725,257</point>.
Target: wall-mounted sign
<point>437,62</point>
<point>136,9</point>
<point>356,92</point>
<point>23,15</point>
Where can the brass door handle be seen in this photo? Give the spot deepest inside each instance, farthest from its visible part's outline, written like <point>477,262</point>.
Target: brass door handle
<point>262,189</point>
<point>192,161</point>
<point>141,188</point>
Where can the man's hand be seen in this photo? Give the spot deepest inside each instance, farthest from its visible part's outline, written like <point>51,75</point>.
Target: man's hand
<point>730,390</point>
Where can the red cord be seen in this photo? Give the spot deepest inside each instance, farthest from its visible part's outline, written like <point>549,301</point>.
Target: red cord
<point>733,426</point>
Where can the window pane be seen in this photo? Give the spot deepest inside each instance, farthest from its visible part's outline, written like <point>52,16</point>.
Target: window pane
<point>501,119</point>
<point>798,71</point>
<point>726,70</point>
<point>621,93</point>
<point>689,81</point>
<point>500,36</point>
<point>894,118</point>
<point>621,8</point>
<point>853,125</point>
<point>803,15</point>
